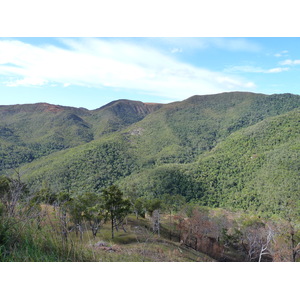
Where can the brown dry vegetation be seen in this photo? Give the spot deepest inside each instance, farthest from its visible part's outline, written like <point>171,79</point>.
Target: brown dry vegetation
<point>137,244</point>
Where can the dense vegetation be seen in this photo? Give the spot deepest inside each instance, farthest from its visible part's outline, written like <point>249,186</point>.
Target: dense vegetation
<point>235,151</point>
<point>28,132</point>
<point>215,150</point>
<point>47,226</point>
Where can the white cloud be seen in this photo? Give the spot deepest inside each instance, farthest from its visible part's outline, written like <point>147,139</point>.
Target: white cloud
<point>110,63</point>
<point>199,43</point>
<point>27,81</point>
<point>289,62</point>
<point>176,50</point>
<point>276,70</point>
<point>281,53</point>
<point>236,44</point>
<point>252,69</point>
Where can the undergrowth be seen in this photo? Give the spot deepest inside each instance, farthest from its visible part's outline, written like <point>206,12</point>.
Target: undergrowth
<point>28,243</point>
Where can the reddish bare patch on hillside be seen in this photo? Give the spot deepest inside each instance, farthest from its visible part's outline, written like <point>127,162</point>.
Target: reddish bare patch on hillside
<point>51,107</point>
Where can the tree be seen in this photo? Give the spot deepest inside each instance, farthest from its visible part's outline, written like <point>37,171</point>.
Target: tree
<point>257,238</point>
<point>64,201</point>
<point>117,208</point>
<point>45,195</point>
<point>172,203</point>
<point>76,208</point>
<point>4,193</point>
<point>4,186</point>
<point>285,247</point>
<point>12,192</point>
<point>291,211</point>
<point>93,211</point>
<point>201,228</point>
<point>153,207</point>
<point>139,208</point>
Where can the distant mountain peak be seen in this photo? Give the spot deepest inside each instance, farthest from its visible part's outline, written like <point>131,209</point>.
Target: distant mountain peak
<point>127,102</point>
<point>50,107</point>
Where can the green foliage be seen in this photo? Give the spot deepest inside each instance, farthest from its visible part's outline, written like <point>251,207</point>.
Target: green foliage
<point>4,186</point>
<point>45,195</point>
<point>117,207</point>
<point>22,238</point>
<point>255,168</point>
<point>139,207</point>
<point>26,243</point>
<point>152,205</point>
<point>170,179</point>
<point>236,150</point>
<point>28,132</point>
<point>173,202</point>
<point>88,207</point>
<point>85,168</point>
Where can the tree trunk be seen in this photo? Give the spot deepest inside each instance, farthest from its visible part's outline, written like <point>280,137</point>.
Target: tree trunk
<point>64,225</point>
<point>293,243</point>
<point>170,224</point>
<point>80,231</point>
<point>112,228</point>
<point>94,232</point>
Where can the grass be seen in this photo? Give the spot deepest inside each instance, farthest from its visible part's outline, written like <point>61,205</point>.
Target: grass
<point>139,244</point>
<point>28,242</point>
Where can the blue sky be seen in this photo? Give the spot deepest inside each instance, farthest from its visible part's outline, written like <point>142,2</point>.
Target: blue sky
<point>90,72</point>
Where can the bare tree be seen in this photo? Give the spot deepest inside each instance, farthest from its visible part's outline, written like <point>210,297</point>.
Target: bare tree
<point>64,201</point>
<point>256,240</point>
<point>145,238</point>
<point>13,191</point>
<point>156,221</point>
<point>284,247</point>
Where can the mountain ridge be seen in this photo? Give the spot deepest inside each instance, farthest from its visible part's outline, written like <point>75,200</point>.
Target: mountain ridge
<point>165,149</point>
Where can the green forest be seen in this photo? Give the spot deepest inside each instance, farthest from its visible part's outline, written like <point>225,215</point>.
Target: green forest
<point>209,178</point>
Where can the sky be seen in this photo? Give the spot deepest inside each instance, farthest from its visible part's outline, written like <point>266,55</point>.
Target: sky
<point>90,72</point>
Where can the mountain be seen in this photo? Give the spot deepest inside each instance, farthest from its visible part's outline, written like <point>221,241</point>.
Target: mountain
<point>30,131</point>
<point>118,114</point>
<point>236,150</point>
<point>256,168</point>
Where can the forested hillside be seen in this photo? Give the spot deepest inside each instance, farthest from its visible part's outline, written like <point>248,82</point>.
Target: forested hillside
<point>30,131</point>
<point>230,150</point>
<point>217,174</point>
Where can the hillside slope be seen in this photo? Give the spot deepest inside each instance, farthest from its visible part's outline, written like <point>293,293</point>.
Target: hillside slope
<point>232,150</point>
<point>31,131</point>
<point>256,168</point>
<point>179,132</point>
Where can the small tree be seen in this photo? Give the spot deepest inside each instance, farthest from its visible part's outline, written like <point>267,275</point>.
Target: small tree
<point>172,203</point>
<point>152,205</point>
<point>153,208</point>
<point>138,207</point>
<point>64,202</point>
<point>94,211</point>
<point>45,195</point>
<point>12,192</point>
<point>290,210</point>
<point>256,239</point>
<point>117,208</point>
<point>76,208</point>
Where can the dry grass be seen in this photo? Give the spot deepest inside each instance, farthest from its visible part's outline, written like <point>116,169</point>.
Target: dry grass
<point>137,244</point>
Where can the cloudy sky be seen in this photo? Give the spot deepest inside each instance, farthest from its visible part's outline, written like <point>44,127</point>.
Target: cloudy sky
<point>90,72</point>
